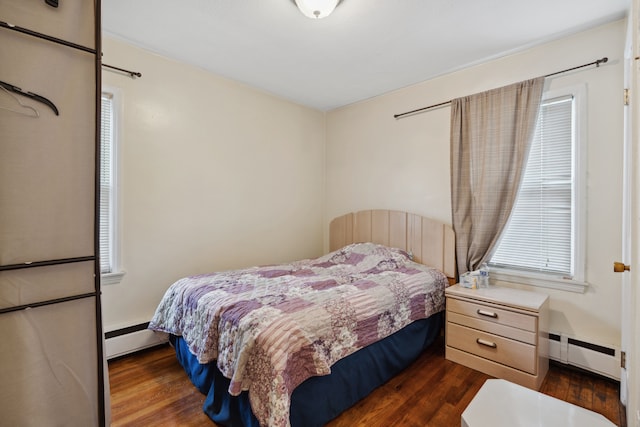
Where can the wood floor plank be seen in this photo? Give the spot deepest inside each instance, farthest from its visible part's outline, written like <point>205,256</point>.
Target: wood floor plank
<point>606,400</point>
<point>578,394</point>
<point>151,389</point>
<point>561,380</point>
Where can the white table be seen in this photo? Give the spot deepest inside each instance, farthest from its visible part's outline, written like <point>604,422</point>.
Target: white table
<point>500,403</point>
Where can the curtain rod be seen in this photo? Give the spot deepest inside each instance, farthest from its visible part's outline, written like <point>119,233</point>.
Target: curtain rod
<point>596,63</point>
<point>59,41</point>
<point>52,39</point>
<point>131,73</point>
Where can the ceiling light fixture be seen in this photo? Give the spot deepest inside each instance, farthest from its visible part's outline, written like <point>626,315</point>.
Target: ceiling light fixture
<point>316,9</point>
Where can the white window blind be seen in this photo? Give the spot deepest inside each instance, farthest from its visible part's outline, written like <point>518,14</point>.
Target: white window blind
<point>106,185</point>
<point>540,235</point>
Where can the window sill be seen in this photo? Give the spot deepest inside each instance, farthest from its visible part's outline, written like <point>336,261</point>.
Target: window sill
<point>539,280</point>
<point>111,278</point>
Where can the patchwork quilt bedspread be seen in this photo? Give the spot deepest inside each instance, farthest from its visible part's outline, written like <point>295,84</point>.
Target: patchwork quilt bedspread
<point>270,328</point>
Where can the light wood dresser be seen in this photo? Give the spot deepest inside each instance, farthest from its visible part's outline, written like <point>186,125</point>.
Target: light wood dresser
<point>502,332</point>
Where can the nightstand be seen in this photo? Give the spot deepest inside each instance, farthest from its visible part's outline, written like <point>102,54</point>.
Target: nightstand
<point>502,332</point>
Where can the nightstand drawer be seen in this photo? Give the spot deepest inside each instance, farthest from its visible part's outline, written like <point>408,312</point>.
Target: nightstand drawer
<point>492,314</point>
<point>493,347</point>
<point>493,328</point>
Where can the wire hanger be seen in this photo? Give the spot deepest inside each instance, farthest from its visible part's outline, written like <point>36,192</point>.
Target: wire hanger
<point>35,114</point>
<point>31,95</point>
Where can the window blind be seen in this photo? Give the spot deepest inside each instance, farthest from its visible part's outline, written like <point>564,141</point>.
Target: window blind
<point>106,184</point>
<point>540,234</point>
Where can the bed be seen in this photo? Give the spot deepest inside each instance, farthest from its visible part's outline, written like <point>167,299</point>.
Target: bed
<point>298,343</point>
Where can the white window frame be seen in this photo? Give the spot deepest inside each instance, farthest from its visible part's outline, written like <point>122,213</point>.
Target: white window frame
<point>577,283</point>
<point>116,274</point>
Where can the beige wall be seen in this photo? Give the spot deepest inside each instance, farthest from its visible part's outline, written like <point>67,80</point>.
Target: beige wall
<point>376,161</point>
<point>214,175</point>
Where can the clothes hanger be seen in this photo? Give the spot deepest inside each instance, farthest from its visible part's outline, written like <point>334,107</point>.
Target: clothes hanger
<point>28,107</point>
<point>31,95</point>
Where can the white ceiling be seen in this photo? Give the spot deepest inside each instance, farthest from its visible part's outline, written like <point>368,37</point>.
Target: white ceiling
<point>365,48</point>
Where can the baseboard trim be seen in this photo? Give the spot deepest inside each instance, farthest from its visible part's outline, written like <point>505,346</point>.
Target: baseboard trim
<point>131,339</point>
<point>596,358</point>
<point>127,330</point>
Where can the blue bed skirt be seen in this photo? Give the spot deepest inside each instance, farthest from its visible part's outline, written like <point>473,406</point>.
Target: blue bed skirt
<point>319,399</point>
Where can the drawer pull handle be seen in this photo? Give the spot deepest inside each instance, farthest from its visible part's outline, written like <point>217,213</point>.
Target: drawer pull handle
<point>486,343</point>
<point>487,313</point>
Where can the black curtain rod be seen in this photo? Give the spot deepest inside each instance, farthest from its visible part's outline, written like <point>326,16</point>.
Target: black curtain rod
<point>596,63</point>
<point>122,70</point>
<point>63,43</point>
<point>46,37</point>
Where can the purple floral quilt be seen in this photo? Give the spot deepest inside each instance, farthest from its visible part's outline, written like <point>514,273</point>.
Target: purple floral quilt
<point>270,328</point>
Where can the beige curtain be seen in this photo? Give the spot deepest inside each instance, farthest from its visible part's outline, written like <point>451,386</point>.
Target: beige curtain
<point>491,133</point>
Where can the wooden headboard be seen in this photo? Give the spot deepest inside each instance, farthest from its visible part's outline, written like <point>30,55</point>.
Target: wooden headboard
<point>431,242</point>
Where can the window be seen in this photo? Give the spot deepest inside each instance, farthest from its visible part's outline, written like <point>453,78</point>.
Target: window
<point>542,241</point>
<point>109,268</point>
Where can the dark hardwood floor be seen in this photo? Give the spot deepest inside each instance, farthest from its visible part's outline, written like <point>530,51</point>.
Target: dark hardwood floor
<point>151,389</point>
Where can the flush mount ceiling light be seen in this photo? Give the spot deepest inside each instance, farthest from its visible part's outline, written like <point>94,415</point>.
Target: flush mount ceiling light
<point>316,9</point>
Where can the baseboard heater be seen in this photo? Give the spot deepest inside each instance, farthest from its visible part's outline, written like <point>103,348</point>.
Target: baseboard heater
<point>602,360</point>
<point>131,339</point>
